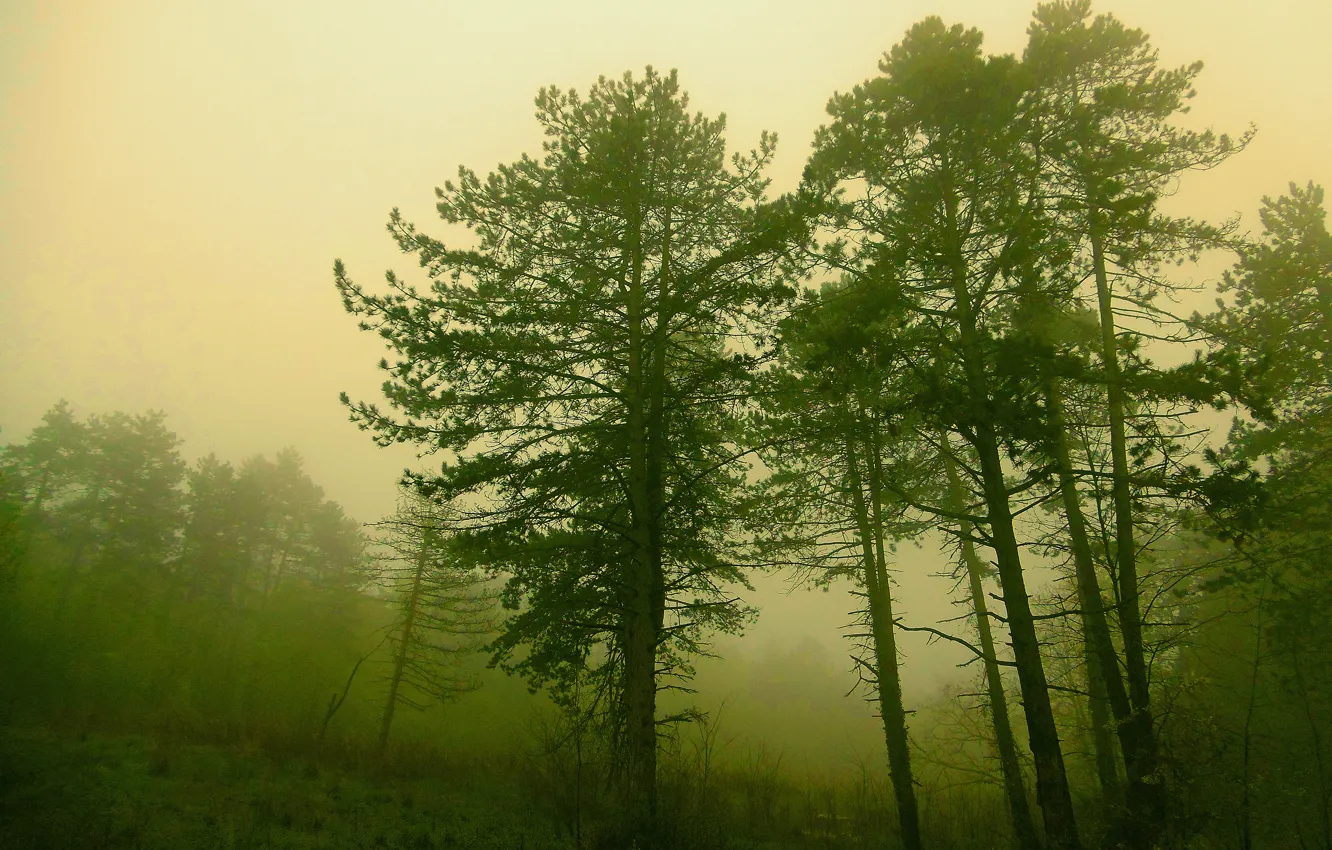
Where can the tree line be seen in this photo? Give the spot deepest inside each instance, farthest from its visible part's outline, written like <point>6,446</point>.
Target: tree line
<point>647,378</point>
<point>217,597</point>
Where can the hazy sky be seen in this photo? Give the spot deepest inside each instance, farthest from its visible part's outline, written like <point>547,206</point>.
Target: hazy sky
<point>176,179</point>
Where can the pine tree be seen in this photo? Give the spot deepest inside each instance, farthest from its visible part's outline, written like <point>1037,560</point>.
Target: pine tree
<point>582,369</point>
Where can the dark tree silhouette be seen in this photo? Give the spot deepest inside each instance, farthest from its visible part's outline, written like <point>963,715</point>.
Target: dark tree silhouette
<point>582,369</point>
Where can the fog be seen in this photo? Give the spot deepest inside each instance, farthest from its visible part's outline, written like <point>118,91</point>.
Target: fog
<point>176,180</point>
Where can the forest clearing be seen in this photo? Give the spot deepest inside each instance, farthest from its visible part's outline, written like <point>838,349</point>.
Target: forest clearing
<point>1018,467</point>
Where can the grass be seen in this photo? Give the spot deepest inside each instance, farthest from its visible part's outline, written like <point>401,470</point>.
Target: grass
<point>75,787</point>
<point>61,790</point>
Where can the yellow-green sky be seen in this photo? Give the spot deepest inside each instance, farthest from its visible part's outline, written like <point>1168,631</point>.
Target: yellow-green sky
<point>176,178</point>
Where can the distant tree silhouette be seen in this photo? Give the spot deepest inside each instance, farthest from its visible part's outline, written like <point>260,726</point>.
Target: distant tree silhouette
<point>443,611</point>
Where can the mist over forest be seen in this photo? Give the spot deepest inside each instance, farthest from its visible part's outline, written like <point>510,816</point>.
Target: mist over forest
<point>958,479</point>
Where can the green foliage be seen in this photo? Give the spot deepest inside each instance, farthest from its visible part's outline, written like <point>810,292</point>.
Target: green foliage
<point>927,172</point>
<point>1276,330</point>
<point>136,598</point>
<point>1270,490</point>
<point>833,390</point>
<point>1259,692</point>
<point>13,529</point>
<point>443,611</point>
<point>583,369</point>
<point>593,378</point>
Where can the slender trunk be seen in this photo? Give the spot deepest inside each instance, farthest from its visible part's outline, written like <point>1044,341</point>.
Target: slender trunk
<point>1051,779</point>
<point>272,575</point>
<point>1125,548</point>
<point>1316,737</point>
<point>74,562</point>
<point>869,523</point>
<point>1324,803</point>
<point>1151,813</point>
<point>578,761</point>
<point>1015,789</point>
<point>1246,801</point>
<point>33,514</point>
<point>335,700</point>
<point>1145,800</point>
<point>647,438</point>
<point>405,638</point>
<point>1102,723</point>
<point>70,572</point>
<point>640,633</point>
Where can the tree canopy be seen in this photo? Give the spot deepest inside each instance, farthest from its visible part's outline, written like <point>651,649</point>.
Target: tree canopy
<point>582,370</point>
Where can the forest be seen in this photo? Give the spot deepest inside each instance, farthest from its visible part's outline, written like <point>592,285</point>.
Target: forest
<point>641,382</point>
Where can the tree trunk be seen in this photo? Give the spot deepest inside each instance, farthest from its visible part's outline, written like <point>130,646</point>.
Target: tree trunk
<point>1103,736</point>
<point>1052,790</point>
<point>1151,808</point>
<point>1051,780</point>
<point>1144,817</point>
<point>33,515</point>
<point>74,562</point>
<point>640,630</point>
<point>1015,789</point>
<point>640,696</point>
<point>404,640</point>
<point>887,675</point>
<point>335,701</point>
<point>1324,799</point>
<point>70,572</point>
<point>1246,753</point>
